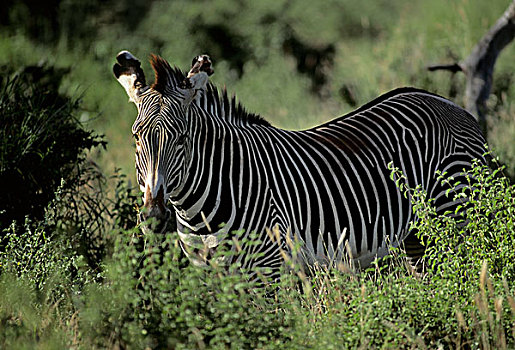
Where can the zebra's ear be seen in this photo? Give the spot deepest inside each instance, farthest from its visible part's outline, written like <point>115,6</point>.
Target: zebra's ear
<point>163,74</point>
<point>197,78</point>
<point>201,69</point>
<point>129,74</point>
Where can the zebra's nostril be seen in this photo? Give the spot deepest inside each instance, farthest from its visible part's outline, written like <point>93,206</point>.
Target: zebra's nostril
<point>154,219</point>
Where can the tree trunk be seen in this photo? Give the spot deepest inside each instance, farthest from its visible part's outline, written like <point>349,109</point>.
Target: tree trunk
<point>479,65</point>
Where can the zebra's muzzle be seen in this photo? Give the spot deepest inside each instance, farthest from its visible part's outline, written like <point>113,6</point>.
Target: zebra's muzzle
<point>154,215</point>
<point>156,224</point>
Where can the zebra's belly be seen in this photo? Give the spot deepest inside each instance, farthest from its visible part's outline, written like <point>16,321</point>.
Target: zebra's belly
<point>327,255</point>
<point>201,248</point>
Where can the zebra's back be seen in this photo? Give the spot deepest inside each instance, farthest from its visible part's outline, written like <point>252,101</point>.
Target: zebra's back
<point>335,177</point>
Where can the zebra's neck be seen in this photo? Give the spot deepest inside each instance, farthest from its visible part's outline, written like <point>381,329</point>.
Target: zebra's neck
<point>220,176</point>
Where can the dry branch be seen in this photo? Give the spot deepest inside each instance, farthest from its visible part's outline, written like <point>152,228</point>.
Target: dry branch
<point>479,65</point>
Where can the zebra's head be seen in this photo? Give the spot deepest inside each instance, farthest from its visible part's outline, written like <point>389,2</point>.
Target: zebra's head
<point>160,130</point>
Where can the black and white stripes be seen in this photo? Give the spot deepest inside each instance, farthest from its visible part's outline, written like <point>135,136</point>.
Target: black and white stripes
<point>225,170</point>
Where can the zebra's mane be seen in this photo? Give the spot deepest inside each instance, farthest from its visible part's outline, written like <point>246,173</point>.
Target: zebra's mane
<point>219,103</point>
<point>166,76</point>
<point>229,108</point>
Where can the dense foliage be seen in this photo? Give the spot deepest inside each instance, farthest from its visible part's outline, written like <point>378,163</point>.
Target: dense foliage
<point>42,141</point>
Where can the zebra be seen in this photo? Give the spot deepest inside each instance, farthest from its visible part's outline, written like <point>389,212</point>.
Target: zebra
<point>224,169</point>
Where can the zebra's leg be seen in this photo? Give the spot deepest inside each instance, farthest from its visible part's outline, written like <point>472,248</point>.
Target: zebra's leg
<point>415,252</point>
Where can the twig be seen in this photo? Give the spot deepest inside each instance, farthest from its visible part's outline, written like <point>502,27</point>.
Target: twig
<point>450,67</point>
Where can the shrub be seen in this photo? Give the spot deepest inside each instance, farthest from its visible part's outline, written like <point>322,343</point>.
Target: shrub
<point>470,255</point>
<point>148,300</point>
<point>41,142</point>
<point>46,265</point>
<point>482,230</point>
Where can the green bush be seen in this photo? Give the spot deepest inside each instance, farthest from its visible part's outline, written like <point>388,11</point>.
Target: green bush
<point>470,257</point>
<point>143,295</point>
<point>147,300</point>
<point>46,265</point>
<point>42,142</point>
<point>482,231</point>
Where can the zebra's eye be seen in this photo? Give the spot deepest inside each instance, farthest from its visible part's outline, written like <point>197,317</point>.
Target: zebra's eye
<point>181,139</point>
<point>137,140</point>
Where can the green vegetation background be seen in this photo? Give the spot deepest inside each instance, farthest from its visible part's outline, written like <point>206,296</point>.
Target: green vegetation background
<point>297,63</point>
